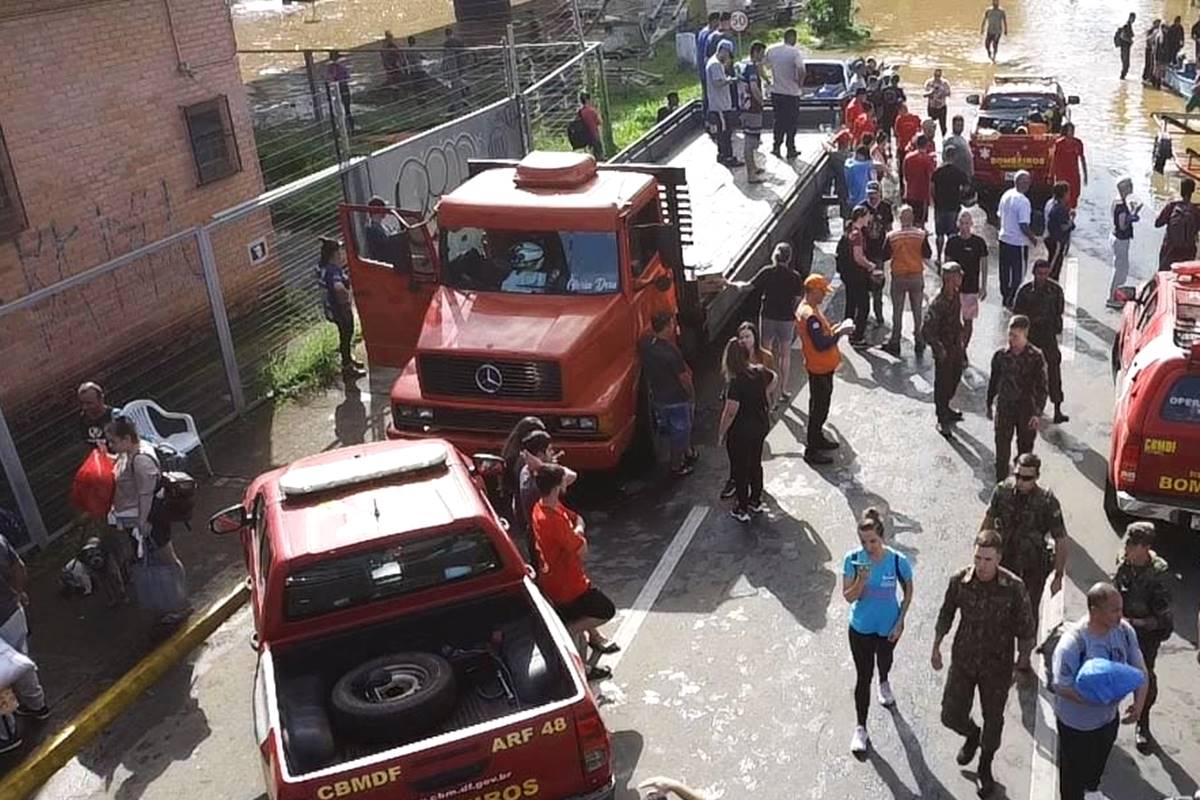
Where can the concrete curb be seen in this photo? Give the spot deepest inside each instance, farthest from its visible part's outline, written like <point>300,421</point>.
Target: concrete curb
<point>53,754</point>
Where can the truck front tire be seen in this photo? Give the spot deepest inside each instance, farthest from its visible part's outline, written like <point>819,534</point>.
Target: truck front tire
<point>394,696</point>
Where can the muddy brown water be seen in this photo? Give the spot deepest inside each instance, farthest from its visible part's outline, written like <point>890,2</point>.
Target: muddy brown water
<point>1071,39</point>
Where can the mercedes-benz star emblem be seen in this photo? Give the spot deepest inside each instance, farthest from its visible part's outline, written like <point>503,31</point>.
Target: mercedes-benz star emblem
<point>488,378</point>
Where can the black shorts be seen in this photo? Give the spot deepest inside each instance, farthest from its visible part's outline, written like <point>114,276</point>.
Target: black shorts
<point>592,604</point>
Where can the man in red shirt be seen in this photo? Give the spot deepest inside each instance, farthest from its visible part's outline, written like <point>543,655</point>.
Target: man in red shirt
<point>1068,161</point>
<point>918,176</point>
<point>863,124</point>
<point>558,537</point>
<point>855,106</point>
<point>906,126</point>
<point>591,121</point>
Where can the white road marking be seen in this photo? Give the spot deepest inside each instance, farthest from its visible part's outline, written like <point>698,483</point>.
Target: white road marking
<point>1043,772</point>
<point>654,584</point>
<point>1070,285</point>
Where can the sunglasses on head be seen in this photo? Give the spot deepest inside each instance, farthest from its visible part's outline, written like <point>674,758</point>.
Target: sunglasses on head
<point>1025,476</point>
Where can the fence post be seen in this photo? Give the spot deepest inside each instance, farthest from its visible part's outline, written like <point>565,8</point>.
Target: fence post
<point>216,300</point>
<point>310,67</point>
<point>610,146</point>
<point>510,51</point>
<point>10,459</point>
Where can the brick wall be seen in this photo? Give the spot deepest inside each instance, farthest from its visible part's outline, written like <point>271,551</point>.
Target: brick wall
<point>91,110</point>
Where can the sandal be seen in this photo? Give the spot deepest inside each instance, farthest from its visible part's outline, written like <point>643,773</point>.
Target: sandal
<point>605,647</point>
<point>598,673</point>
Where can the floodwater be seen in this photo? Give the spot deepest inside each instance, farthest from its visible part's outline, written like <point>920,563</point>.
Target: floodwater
<point>1069,39</point>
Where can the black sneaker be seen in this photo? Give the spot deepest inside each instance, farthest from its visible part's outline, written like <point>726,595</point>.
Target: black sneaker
<point>814,455</point>
<point>987,784</point>
<point>34,713</point>
<point>8,745</point>
<point>740,514</point>
<point>598,673</point>
<point>1060,418</point>
<point>967,752</point>
<point>729,490</point>
<point>756,508</point>
<point>1142,739</point>
<point>955,416</point>
<point>828,444</point>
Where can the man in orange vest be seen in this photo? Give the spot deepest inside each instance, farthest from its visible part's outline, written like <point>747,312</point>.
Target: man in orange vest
<point>819,341</point>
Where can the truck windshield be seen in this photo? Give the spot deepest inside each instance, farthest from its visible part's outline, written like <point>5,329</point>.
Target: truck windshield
<point>354,580</point>
<point>1183,401</point>
<point>531,262</point>
<point>1019,102</point>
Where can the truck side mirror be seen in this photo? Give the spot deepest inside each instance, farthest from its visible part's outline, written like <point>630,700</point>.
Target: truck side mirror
<point>486,464</point>
<point>1073,100</point>
<point>1125,294</point>
<point>228,520</point>
<point>973,99</point>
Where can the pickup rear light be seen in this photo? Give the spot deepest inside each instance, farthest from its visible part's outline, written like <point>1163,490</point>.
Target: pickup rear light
<point>1127,461</point>
<point>593,741</point>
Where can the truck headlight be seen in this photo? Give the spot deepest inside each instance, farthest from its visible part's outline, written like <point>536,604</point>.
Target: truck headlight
<point>425,413</point>
<point>588,424</point>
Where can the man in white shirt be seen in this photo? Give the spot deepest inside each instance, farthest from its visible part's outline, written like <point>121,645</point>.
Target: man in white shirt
<point>957,145</point>
<point>786,66</point>
<point>718,77</point>
<point>1015,236</point>
<point>936,92</point>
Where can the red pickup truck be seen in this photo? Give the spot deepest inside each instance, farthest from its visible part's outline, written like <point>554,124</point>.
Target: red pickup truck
<point>1013,133</point>
<point>1154,459</point>
<point>404,652</point>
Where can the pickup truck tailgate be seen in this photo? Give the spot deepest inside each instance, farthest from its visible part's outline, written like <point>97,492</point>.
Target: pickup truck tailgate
<point>532,755</point>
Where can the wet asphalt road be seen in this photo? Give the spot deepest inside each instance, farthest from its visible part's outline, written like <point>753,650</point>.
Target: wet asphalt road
<point>738,680</point>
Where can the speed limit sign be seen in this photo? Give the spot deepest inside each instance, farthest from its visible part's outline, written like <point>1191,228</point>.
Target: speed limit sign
<point>739,21</point>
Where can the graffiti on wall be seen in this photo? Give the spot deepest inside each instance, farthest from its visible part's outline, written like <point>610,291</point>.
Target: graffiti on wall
<point>421,170</point>
<point>74,319</point>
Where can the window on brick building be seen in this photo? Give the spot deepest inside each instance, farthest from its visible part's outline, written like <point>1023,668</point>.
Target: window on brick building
<point>214,147</point>
<point>12,213</point>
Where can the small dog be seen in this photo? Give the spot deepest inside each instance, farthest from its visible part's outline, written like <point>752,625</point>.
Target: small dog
<point>90,568</point>
<point>663,788</point>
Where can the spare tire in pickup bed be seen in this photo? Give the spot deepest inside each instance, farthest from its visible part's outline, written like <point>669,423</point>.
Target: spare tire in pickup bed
<point>394,696</point>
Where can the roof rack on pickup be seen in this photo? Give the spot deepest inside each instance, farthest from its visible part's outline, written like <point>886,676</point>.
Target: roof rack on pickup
<point>1187,304</point>
<point>1049,80</point>
<point>300,480</point>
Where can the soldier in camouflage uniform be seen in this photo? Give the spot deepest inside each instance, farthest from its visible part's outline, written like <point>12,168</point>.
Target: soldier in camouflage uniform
<point>1042,301</point>
<point>994,612</point>
<point>1017,389</point>
<point>1143,579</point>
<point>942,330</point>
<point>1024,513</point>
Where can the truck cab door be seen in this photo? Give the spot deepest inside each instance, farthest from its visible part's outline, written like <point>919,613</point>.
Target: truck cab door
<point>393,261</point>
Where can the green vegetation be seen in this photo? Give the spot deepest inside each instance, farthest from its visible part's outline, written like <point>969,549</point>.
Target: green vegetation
<point>308,361</point>
<point>833,22</point>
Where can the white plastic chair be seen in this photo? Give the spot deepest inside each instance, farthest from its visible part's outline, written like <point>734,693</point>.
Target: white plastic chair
<point>183,442</point>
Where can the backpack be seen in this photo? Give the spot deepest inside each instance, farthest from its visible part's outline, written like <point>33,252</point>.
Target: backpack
<point>1117,39</point>
<point>1181,233</point>
<point>175,499</point>
<point>577,133</point>
<point>1047,648</point>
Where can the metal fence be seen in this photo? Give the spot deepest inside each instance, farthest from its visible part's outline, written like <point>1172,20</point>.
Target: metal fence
<point>203,320</point>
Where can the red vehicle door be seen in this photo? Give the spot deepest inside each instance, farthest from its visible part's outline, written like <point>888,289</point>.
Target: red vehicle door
<point>1171,435</point>
<point>393,261</point>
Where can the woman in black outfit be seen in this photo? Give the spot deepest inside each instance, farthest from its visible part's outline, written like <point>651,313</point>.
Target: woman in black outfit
<point>745,420</point>
<point>856,271</point>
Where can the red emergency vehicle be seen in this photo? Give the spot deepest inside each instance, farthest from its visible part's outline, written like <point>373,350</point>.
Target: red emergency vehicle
<point>1154,459</point>
<point>403,651</point>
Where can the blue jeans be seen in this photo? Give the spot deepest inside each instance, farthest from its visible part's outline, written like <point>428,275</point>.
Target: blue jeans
<point>673,421</point>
